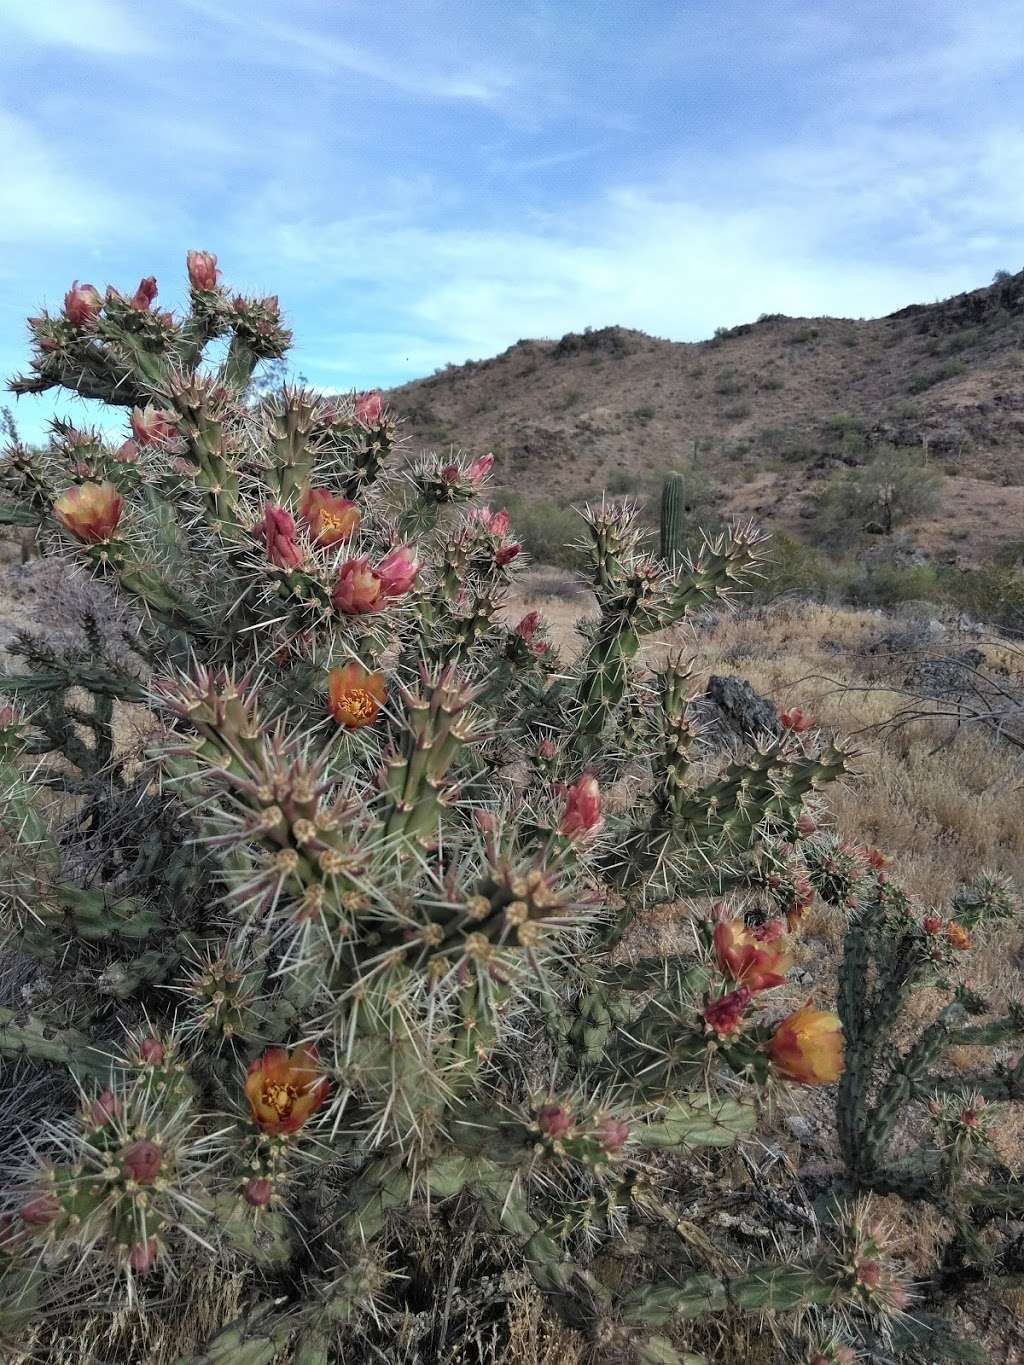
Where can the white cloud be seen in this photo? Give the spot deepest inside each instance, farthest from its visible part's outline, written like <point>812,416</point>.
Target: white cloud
<point>97,26</point>
<point>850,227</point>
<point>43,198</point>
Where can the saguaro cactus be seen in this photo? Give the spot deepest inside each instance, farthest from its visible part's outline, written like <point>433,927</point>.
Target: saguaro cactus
<point>671,526</point>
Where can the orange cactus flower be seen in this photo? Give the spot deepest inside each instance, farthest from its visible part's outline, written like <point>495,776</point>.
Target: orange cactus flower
<point>90,511</point>
<point>957,936</point>
<point>752,957</point>
<point>354,695</point>
<point>283,1089</point>
<point>808,1047</point>
<point>330,518</point>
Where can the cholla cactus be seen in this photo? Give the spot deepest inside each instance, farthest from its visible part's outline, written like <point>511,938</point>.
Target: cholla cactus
<point>343,951</point>
<point>894,948</point>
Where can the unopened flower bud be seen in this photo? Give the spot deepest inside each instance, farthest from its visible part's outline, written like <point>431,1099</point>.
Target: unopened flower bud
<point>142,1160</point>
<point>152,1051</point>
<point>259,1192</point>
<point>40,1210</point>
<point>105,1107</point>
<point>142,1256</point>
<point>554,1121</point>
<point>613,1134</point>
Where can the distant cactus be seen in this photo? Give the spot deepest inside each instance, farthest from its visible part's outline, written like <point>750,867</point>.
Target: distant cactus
<point>336,951</point>
<point>672,531</point>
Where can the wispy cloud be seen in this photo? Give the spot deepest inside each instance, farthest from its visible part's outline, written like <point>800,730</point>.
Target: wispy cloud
<point>99,27</point>
<point>291,43</point>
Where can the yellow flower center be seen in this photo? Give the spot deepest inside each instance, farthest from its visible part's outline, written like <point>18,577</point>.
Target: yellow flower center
<point>358,706</point>
<point>280,1097</point>
<point>331,522</point>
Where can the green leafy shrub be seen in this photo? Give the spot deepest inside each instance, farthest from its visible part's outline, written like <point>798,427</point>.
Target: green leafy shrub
<point>892,489</point>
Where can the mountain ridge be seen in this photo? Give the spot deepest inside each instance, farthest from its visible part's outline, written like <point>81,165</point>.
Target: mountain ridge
<point>769,410</point>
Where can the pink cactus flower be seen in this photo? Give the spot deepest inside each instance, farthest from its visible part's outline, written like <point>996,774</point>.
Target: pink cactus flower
<point>582,815</point>
<point>479,469</point>
<point>398,570</point>
<point>202,270</point>
<point>795,720</point>
<point>369,407</point>
<point>151,426</point>
<point>358,589</point>
<point>82,303</point>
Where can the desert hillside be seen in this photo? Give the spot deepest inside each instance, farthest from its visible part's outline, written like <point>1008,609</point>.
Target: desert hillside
<point>768,411</point>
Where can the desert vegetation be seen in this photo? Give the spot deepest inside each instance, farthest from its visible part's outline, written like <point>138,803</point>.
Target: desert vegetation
<point>394,973</point>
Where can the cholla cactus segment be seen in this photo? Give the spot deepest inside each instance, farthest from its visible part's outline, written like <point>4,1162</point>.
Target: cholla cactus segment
<point>347,950</point>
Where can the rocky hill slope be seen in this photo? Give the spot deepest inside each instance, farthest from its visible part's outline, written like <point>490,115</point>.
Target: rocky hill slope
<point>769,410</point>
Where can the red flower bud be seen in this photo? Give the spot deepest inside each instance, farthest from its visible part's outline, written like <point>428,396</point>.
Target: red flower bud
<point>142,1256</point>
<point>358,588</point>
<point>582,813</point>
<point>145,294</point>
<point>106,1107</point>
<point>554,1121</point>
<point>527,627</point>
<point>479,469</point>
<point>369,407</point>
<point>127,453</point>
<point>40,1210</point>
<point>546,750</point>
<point>931,924</point>
<point>277,532</point>
<point>613,1134</point>
<point>142,1161</point>
<point>806,824</point>
<point>507,553</point>
<point>82,303</point>
<point>202,270</point>
<point>795,720</point>
<point>724,1016</point>
<point>152,1051</point>
<point>259,1193</point>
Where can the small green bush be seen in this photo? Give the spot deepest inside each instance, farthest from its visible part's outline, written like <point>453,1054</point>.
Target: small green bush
<point>896,487</point>
<point>546,529</point>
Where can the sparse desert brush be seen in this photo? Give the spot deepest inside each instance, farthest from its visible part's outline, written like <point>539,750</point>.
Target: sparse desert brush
<point>340,959</point>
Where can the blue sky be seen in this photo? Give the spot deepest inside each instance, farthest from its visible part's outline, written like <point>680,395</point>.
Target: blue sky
<point>428,182</point>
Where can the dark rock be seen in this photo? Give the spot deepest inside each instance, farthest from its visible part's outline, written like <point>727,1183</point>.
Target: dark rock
<point>948,677</point>
<point>733,709</point>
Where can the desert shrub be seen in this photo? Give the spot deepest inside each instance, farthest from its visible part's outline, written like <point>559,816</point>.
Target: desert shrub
<point>341,953</point>
<point>549,530</point>
<point>892,489</point>
<point>926,379</point>
<point>790,566</point>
